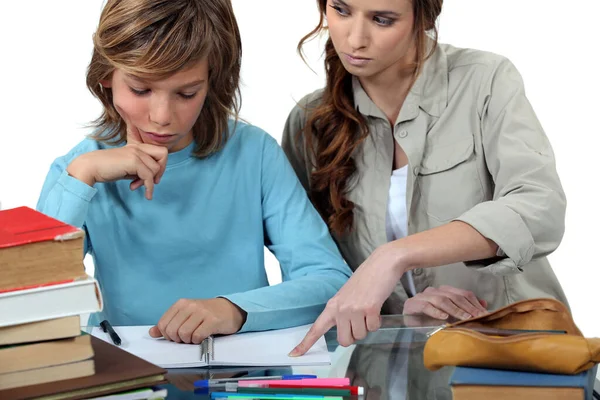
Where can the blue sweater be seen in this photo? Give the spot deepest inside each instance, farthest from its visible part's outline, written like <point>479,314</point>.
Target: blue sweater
<point>203,235</point>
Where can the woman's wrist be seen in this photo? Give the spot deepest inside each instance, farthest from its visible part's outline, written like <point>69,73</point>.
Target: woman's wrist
<point>396,256</point>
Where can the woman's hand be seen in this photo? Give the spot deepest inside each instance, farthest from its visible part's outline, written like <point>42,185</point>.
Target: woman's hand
<point>192,321</point>
<point>445,301</point>
<point>356,307</point>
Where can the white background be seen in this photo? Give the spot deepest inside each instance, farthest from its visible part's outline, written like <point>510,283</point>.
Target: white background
<point>45,47</point>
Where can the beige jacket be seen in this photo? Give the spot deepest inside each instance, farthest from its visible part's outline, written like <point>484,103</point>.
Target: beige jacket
<point>478,154</point>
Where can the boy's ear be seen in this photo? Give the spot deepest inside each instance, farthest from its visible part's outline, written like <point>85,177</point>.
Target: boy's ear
<point>106,83</point>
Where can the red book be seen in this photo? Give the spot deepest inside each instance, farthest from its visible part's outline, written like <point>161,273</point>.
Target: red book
<point>23,225</point>
<point>37,250</point>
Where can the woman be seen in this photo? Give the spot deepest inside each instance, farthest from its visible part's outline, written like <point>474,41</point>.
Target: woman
<point>186,254</point>
<point>430,168</point>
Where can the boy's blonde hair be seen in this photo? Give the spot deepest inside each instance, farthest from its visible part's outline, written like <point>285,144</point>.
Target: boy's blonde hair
<point>153,39</point>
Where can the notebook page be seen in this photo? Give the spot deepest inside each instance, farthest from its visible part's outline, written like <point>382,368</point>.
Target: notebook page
<point>161,352</point>
<point>269,348</point>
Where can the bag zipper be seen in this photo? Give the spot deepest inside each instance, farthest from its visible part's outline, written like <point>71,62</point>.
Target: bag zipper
<point>504,339</point>
<point>436,330</point>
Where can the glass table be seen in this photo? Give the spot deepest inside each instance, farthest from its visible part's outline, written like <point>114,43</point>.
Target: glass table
<point>388,364</point>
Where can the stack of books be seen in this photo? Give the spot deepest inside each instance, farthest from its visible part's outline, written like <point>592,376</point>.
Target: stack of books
<point>43,290</point>
<point>118,375</point>
<point>492,384</point>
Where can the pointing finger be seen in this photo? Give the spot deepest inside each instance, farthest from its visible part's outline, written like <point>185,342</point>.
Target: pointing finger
<point>324,323</point>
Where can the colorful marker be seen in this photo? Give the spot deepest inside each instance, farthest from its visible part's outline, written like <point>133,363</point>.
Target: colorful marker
<point>354,390</point>
<point>265,396</point>
<point>210,383</point>
<point>303,382</point>
<point>318,391</point>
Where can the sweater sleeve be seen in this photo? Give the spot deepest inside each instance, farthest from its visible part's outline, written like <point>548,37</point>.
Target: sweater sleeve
<point>313,270</point>
<point>66,198</point>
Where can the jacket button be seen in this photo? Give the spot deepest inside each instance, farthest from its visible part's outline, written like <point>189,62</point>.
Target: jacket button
<point>403,134</point>
<point>416,171</point>
<point>418,271</point>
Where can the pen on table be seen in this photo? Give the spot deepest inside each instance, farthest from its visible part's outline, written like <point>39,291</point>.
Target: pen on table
<point>206,383</point>
<point>106,327</point>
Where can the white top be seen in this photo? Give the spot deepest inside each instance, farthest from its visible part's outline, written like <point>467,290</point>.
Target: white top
<point>396,227</point>
<point>396,221</point>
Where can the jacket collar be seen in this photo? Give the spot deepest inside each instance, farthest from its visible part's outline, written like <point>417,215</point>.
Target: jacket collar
<point>429,92</point>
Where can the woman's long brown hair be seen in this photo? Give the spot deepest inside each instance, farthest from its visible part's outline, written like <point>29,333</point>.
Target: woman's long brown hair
<point>335,129</point>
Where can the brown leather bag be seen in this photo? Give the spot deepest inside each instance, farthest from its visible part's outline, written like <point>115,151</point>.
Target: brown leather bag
<point>486,341</point>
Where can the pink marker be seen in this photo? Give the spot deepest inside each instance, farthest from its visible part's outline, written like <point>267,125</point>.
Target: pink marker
<point>300,382</point>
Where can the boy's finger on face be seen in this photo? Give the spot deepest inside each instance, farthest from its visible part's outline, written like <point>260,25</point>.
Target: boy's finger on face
<point>158,153</point>
<point>133,134</point>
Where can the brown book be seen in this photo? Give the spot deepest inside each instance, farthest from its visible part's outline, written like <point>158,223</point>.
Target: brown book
<point>475,392</point>
<point>116,371</point>
<point>51,329</point>
<point>37,250</point>
<point>44,354</point>
<point>47,374</point>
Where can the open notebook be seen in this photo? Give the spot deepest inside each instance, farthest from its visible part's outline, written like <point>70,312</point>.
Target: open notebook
<point>268,349</point>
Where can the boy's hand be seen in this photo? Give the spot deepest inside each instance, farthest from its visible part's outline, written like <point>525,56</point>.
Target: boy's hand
<point>143,163</point>
<point>192,321</point>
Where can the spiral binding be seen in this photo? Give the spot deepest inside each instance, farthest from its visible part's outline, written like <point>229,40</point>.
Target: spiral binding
<point>207,349</point>
<point>211,348</point>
